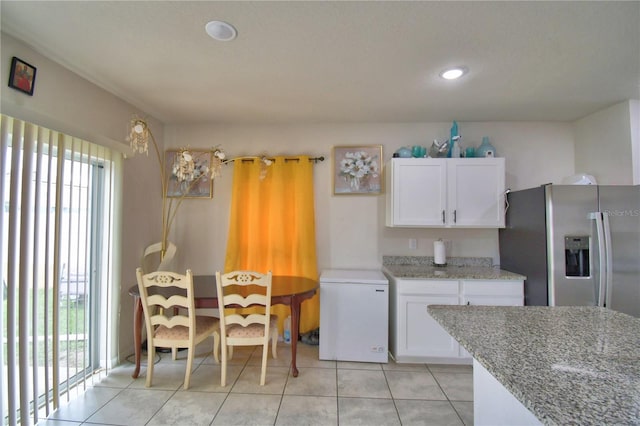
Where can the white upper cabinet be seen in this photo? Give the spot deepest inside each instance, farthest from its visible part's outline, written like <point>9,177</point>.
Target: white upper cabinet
<point>445,192</point>
<point>417,192</point>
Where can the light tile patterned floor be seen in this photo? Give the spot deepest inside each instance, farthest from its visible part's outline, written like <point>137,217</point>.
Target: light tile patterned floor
<point>325,393</point>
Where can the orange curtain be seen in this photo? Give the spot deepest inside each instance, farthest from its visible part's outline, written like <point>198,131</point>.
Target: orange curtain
<point>272,226</point>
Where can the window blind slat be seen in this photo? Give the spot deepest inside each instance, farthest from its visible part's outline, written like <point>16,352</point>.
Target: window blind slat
<point>4,150</point>
<point>12,272</point>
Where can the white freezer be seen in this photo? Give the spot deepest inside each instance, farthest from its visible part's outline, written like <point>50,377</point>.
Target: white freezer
<point>354,315</point>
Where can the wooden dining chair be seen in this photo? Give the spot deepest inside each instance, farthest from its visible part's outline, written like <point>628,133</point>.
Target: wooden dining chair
<point>170,317</point>
<point>241,289</point>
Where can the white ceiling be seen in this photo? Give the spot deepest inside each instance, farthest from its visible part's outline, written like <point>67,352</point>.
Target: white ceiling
<point>323,61</point>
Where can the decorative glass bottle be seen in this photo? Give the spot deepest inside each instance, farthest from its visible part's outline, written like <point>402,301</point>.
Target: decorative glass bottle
<point>485,149</point>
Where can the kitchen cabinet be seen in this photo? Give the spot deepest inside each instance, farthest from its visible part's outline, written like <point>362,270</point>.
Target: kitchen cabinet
<point>445,192</point>
<point>416,337</point>
<point>491,293</point>
<point>420,333</point>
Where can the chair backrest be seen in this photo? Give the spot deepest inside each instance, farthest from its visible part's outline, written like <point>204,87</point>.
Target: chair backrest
<point>241,289</point>
<point>167,290</point>
<point>152,259</point>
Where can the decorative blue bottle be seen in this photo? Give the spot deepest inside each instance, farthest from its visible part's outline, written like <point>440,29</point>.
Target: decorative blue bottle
<point>454,132</point>
<point>485,149</point>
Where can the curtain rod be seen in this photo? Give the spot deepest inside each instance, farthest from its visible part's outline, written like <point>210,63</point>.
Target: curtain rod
<point>250,158</point>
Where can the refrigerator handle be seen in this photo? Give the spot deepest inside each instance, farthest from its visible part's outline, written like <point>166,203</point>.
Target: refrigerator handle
<point>609,258</point>
<point>597,216</point>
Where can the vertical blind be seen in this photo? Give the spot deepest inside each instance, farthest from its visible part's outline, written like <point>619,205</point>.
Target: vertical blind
<point>56,230</point>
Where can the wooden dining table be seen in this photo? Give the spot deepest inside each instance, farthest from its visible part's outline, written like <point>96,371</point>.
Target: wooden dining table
<point>285,290</point>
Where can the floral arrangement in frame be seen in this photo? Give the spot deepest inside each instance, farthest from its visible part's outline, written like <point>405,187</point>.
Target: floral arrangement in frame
<point>22,76</point>
<point>357,170</point>
<point>188,179</point>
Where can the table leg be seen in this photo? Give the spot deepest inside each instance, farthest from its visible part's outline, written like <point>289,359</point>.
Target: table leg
<point>295,329</point>
<point>137,334</point>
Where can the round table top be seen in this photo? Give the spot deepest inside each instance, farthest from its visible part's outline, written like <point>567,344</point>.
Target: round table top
<point>281,285</point>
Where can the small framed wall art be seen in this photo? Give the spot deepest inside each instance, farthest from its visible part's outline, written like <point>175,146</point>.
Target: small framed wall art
<point>22,76</point>
<point>357,170</point>
<point>189,179</point>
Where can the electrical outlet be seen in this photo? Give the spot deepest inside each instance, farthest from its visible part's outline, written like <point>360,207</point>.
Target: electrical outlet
<point>413,243</point>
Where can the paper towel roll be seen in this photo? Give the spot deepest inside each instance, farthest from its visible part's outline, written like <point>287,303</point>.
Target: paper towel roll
<point>439,254</point>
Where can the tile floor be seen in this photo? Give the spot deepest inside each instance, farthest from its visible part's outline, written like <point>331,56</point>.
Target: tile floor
<point>324,393</point>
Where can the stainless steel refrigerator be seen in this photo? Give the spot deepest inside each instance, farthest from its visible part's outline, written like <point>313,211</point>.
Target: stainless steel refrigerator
<point>578,245</point>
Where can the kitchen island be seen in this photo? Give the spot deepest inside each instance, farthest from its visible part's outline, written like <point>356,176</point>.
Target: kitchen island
<point>564,365</point>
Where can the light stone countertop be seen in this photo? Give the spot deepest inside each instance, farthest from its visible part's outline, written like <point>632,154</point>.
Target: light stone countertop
<point>458,268</point>
<point>450,272</point>
<point>567,365</point>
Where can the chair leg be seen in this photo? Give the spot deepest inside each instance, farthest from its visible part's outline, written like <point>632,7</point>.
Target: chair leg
<point>174,353</point>
<point>230,352</point>
<point>151,354</point>
<point>274,343</point>
<point>216,347</point>
<point>265,351</point>
<point>187,374</point>
<point>223,367</point>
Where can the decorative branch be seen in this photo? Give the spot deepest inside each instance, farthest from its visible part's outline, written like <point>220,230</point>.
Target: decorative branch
<point>139,135</point>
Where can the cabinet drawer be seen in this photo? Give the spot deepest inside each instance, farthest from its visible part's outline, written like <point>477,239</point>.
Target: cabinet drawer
<point>419,287</point>
<point>492,288</point>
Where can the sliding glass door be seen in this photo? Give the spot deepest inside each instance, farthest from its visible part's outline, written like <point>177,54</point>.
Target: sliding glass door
<point>56,230</point>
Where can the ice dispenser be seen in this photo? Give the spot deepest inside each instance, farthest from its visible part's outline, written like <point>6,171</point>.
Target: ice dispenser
<point>576,256</point>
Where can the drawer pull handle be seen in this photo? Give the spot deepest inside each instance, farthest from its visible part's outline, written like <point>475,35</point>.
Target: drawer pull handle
<point>455,216</point>
<point>443,217</point>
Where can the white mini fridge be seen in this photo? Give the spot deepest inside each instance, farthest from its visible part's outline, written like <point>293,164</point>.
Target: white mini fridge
<point>354,315</point>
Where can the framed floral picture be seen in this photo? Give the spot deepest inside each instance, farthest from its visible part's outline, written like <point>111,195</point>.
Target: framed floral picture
<point>188,175</point>
<point>357,170</point>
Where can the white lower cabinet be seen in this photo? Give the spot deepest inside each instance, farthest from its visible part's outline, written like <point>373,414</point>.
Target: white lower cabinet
<point>423,334</point>
<point>416,337</point>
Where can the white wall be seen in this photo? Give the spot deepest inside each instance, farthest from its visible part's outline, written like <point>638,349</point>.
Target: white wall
<point>604,145</point>
<point>67,103</point>
<point>350,229</point>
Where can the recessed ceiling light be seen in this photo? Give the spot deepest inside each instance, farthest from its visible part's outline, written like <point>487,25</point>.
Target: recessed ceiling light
<point>221,31</point>
<point>453,73</point>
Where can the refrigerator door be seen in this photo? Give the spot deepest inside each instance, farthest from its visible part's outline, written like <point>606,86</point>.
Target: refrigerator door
<point>523,242</point>
<point>621,205</point>
<point>572,245</point>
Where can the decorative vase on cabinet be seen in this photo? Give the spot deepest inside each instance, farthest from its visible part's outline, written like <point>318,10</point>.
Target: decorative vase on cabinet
<point>485,149</point>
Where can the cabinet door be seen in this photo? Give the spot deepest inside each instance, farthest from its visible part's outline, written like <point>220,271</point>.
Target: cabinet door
<point>476,192</point>
<point>423,336</point>
<point>417,192</point>
<point>493,292</point>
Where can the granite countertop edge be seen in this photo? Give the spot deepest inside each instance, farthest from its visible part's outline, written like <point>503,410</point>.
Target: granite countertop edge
<point>491,368</point>
<point>489,351</point>
<point>450,272</point>
<point>457,268</point>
